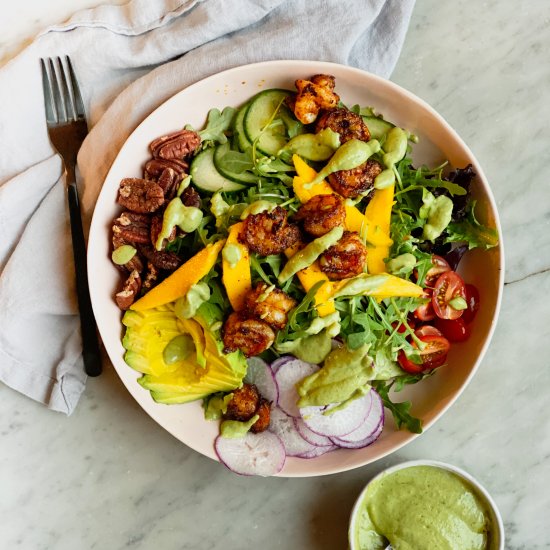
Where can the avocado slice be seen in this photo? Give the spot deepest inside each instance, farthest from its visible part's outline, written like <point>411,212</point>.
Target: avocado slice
<point>207,370</point>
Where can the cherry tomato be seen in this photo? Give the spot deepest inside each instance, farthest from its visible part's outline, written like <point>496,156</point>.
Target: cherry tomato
<point>449,285</point>
<point>439,266</point>
<point>433,355</point>
<point>407,365</point>
<point>472,299</point>
<point>455,330</point>
<point>425,312</point>
<point>427,330</point>
<point>435,352</point>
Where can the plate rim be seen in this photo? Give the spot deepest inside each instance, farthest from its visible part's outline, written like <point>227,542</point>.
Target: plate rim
<point>310,66</point>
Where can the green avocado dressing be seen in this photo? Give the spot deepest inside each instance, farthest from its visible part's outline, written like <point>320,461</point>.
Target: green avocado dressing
<point>344,372</point>
<point>257,207</point>
<point>421,507</point>
<point>187,218</point>
<point>188,305</point>
<point>307,255</point>
<point>315,147</point>
<point>233,429</point>
<point>231,254</point>
<point>437,212</point>
<point>178,349</point>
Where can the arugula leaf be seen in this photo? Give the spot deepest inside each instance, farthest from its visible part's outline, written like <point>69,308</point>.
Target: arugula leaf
<point>400,411</point>
<point>217,124</point>
<point>472,232</point>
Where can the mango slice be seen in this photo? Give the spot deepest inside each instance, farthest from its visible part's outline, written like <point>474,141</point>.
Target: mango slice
<point>309,277</point>
<point>380,286</point>
<point>236,277</point>
<point>378,215</point>
<point>177,284</point>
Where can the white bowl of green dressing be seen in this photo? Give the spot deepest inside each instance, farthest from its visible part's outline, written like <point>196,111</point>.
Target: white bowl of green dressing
<point>425,504</point>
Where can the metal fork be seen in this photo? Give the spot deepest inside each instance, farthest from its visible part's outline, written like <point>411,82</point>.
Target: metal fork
<point>67,128</point>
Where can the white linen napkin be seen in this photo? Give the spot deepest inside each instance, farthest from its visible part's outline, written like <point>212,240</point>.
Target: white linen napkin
<point>129,59</point>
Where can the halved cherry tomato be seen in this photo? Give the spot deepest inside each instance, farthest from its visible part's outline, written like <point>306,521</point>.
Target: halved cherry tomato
<point>425,312</point>
<point>449,285</point>
<point>455,330</point>
<point>472,299</point>
<point>435,352</point>
<point>407,365</point>
<point>433,355</point>
<point>439,266</point>
<point>427,330</point>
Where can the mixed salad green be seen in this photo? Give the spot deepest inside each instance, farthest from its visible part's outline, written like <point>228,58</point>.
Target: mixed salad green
<point>399,317</point>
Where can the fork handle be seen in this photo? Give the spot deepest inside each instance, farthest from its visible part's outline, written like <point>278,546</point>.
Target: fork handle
<point>90,344</point>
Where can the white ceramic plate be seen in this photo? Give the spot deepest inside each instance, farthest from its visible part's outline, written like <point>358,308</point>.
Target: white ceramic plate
<point>438,141</point>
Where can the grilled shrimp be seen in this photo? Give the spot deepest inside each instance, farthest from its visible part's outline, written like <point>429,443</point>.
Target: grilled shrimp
<point>264,412</point>
<point>251,336</point>
<point>269,232</point>
<point>346,258</point>
<point>346,123</point>
<point>269,304</point>
<point>244,403</point>
<point>312,96</point>
<point>321,213</point>
<point>357,181</point>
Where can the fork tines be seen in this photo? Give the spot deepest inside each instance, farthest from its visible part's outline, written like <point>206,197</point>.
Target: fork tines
<point>62,97</point>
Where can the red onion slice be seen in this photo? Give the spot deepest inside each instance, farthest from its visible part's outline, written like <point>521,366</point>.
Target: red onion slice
<point>369,431</point>
<point>260,454</point>
<point>286,377</point>
<point>259,374</point>
<point>341,422</point>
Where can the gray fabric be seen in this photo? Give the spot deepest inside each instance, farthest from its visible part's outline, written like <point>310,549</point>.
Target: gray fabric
<point>129,59</point>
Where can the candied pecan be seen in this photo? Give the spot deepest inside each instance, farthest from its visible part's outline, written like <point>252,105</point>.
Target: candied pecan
<point>132,228</point>
<point>130,289</point>
<point>136,263</point>
<point>156,227</point>
<point>150,279</point>
<point>160,259</point>
<point>154,167</point>
<point>169,180</point>
<point>140,195</point>
<point>175,146</point>
<point>190,197</point>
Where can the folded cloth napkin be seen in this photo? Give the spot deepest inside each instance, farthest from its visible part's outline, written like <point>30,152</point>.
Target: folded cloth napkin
<point>129,59</point>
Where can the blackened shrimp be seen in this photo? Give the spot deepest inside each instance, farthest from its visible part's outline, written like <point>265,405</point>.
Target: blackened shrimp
<point>321,213</point>
<point>269,304</point>
<point>346,123</point>
<point>251,336</point>
<point>346,258</point>
<point>264,412</point>
<point>313,95</point>
<point>243,404</point>
<point>357,181</point>
<point>269,232</point>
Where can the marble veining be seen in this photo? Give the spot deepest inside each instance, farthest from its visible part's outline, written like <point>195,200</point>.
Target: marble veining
<point>108,477</point>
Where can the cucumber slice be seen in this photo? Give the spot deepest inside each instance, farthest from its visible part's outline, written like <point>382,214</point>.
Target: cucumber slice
<point>238,129</point>
<point>261,109</point>
<point>205,176</point>
<point>247,178</point>
<point>378,127</point>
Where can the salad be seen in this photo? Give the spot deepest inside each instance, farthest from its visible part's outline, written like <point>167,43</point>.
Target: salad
<point>292,268</point>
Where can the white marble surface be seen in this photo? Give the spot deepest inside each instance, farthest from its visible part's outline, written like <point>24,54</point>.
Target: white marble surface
<point>108,477</point>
